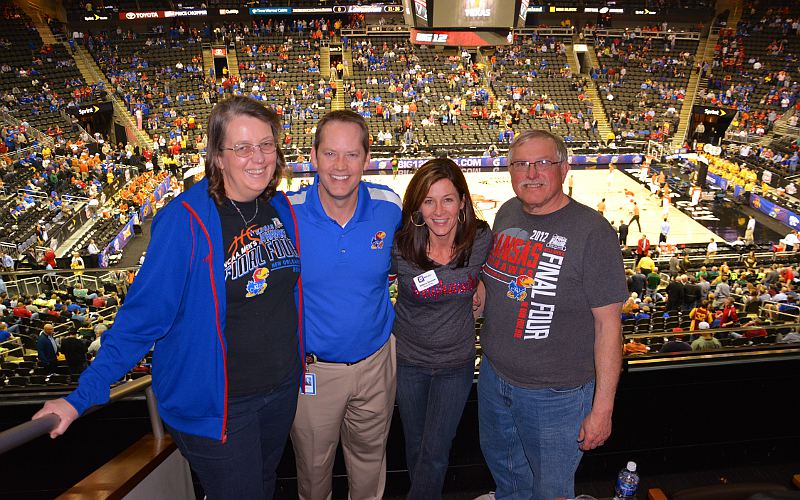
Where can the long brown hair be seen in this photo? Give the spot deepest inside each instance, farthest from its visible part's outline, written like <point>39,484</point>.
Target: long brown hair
<point>222,114</point>
<point>412,240</point>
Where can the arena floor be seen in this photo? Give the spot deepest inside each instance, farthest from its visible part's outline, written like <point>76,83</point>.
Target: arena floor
<point>490,189</point>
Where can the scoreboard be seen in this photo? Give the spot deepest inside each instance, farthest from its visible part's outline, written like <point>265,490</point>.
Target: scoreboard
<point>465,14</point>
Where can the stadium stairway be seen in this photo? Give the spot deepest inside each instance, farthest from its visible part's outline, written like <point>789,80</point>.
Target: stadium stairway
<point>338,102</point>
<point>599,112</point>
<point>92,74</point>
<point>44,31</point>
<point>705,52</point>
<point>63,249</point>
<point>782,126</point>
<point>37,17</point>
<point>347,60</point>
<point>491,93</point>
<point>233,63</point>
<point>736,7</point>
<point>325,61</point>
<point>692,87</point>
<point>208,60</point>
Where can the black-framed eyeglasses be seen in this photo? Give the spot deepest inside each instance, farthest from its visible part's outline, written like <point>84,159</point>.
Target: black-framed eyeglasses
<point>247,150</point>
<point>539,165</point>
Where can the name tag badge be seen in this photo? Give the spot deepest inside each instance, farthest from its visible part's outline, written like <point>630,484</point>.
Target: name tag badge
<point>311,384</point>
<point>426,280</point>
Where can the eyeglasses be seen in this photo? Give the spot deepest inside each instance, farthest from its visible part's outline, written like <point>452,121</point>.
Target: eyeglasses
<point>247,150</point>
<point>540,165</point>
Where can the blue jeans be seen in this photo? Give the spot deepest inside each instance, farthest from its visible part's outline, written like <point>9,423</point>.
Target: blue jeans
<point>529,437</point>
<point>431,401</point>
<point>244,467</point>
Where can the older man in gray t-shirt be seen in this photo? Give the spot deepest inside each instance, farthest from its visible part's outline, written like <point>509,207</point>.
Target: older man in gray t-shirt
<point>555,284</point>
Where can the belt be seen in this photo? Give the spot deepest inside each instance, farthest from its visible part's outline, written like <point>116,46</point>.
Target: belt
<point>312,358</point>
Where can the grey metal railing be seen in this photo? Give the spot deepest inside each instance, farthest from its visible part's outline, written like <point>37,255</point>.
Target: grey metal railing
<point>28,431</point>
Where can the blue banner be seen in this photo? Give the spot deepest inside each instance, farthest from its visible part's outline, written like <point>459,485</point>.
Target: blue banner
<point>486,163</point>
<point>775,211</point>
<point>146,208</point>
<point>718,181</point>
<point>258,11</point>
<point>117,244</point>
<point>124,236</point>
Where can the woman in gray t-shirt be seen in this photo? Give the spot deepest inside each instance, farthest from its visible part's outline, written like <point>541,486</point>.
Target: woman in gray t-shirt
<point>437,256</point>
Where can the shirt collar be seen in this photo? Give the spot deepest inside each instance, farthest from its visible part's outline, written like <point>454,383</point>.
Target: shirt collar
<point>362,212</point>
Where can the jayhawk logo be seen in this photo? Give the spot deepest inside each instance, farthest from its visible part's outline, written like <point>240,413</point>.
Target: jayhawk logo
<point>258,284</point>
<point>516,288</point>
<point>377,240</point>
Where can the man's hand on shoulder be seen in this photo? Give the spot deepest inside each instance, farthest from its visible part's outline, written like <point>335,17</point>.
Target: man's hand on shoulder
<point>479,300</point>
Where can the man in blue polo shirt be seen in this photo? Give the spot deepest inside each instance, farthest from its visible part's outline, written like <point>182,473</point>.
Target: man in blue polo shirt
<point>346,232</point>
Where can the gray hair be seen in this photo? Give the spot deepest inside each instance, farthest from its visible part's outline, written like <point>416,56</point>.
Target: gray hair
<point>523,137</point>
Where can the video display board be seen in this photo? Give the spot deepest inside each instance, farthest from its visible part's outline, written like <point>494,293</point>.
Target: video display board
<point>474,13</point>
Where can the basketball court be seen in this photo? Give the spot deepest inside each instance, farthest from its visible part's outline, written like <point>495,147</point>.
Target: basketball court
<point>490,189</point>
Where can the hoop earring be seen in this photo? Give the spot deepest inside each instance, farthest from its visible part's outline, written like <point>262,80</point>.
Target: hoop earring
<point>462,215</point>
<point>414,222</point>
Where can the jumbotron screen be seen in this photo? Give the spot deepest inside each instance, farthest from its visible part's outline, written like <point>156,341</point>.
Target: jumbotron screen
<point>465,14</point>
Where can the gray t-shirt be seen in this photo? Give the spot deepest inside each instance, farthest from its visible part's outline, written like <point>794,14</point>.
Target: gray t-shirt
<point>543,276</point>
<point>434,327</point>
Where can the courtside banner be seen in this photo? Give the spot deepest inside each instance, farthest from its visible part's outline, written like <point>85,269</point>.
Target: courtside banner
<point>485,163</point>
<point>775,211</point>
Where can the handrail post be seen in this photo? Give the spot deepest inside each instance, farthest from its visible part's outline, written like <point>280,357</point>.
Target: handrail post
<point>152,410</point>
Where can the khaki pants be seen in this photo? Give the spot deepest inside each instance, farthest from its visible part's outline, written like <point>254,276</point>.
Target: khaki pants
<point>355,402</point>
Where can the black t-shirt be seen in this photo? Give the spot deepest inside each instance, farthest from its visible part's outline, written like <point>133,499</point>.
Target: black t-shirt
<point>261,270</point>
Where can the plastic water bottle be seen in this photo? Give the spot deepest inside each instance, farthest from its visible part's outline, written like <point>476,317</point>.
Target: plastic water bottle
<point>627,483</point>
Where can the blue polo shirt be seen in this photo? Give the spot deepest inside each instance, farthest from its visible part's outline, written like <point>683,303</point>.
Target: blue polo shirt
<point>348,314</point>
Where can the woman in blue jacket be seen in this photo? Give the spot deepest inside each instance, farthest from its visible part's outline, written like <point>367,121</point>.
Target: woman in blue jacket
<point>217,296</point>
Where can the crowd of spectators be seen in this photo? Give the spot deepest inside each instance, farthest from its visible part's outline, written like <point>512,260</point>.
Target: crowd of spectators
<point>755,69</point>
<point>642,81</point>
<point>40,83</point>
<point>52,184</point>
<point>405,91</point>
<point>535,86</point>
<point>736,301</point>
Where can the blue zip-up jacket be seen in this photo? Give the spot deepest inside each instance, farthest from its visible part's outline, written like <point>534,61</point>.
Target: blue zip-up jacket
<point>177,302</point>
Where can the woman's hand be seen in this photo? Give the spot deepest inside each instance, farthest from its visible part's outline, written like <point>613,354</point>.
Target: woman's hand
<point>65,411</point>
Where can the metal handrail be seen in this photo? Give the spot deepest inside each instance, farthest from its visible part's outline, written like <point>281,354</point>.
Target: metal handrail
<point>28,431</point>
<point>11,345</point>
<point>729,329</point>
<point>763,258</point>
<point>618,32</point>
